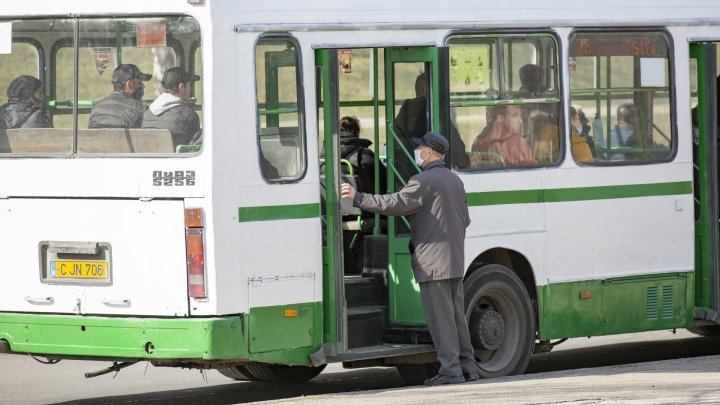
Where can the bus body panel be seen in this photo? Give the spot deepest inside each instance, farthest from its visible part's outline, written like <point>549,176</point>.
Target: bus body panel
<point>146,242</point>
<point>643,225</point>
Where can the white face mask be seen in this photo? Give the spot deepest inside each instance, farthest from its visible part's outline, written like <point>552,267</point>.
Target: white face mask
<point>418,159</point>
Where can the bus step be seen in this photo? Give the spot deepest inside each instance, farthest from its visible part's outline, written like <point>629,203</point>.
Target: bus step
<point>407,335</point>
<point>365,325</point>
<point>363,291</point>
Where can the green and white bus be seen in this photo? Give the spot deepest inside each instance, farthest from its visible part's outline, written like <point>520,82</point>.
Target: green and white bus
<point>237,254</point>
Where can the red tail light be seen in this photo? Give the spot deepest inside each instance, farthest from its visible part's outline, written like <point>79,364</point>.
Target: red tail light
<point>197,287</point>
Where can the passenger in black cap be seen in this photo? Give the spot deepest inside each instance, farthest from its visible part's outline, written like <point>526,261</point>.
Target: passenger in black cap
<point>171,111</point>
<point>24,108</point>
<point>123,108</point>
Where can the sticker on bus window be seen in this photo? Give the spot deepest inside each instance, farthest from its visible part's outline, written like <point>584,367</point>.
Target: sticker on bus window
<point>652,72</point>
<point>151,34</point>
<point>345,60</point>
<point>5,37</point>
<point>102,59</point>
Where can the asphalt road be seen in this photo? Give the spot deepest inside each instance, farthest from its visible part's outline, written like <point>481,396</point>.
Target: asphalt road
<point>22,380</point>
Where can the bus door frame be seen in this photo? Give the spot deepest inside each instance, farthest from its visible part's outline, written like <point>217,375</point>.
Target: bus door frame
<point>707,266</point>
<point>334,305</point>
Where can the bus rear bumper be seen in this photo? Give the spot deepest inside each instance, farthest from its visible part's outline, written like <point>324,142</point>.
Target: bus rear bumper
<point>69,336</point>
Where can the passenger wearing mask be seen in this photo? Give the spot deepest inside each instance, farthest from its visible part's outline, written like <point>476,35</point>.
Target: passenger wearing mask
<point>24,108</point>
<point>580,146</point>
<point>623,134</point>
<point>123,108</point>
<point>171,111</point>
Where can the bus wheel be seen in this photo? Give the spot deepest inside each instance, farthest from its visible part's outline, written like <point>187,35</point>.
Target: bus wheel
<point>239,373</point>
<point>283,373</point>
<point>709,330</point>
<point>416,374</point>
<point>501,320</point>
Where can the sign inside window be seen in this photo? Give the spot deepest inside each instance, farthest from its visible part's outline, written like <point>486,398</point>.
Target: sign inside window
<point>151,34</point>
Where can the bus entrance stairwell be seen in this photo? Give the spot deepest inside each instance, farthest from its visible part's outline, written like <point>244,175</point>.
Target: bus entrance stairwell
<point>705,167</point>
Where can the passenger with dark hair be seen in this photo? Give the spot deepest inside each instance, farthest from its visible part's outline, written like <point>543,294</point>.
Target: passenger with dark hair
<point>24,108</point>
<point>531,81</point>
<point>412,122</point>
<point>356,151</point>
<point>123,108</point>
<point>623,134</point>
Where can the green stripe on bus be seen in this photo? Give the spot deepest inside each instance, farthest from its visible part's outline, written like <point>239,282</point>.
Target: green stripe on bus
<point>578,194</point>
<point>277,212</point>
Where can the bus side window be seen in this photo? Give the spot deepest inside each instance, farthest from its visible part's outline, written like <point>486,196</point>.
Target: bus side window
<point>280,132</point>
<point>630,117</point>
<point>509,120</point>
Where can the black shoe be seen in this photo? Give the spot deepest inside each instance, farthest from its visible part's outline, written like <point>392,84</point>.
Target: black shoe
<point>471,376</point>
<point>444,380</point>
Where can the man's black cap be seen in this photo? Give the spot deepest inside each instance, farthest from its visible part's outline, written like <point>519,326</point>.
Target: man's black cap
<point>435,141</point>
<point>128,71</point>
<point>174,76</point>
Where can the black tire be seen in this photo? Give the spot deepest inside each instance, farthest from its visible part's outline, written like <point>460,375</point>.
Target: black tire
<point>281,373</point>
<point>239,373</point>
<point>416,374</point>
<point>501,321</point>
<point>709,330</point>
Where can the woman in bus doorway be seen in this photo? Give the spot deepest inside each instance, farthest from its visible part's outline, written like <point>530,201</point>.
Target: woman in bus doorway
<point>24,108</point>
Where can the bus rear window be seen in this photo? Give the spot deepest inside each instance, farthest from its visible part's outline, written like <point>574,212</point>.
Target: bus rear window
<point>116,102</point>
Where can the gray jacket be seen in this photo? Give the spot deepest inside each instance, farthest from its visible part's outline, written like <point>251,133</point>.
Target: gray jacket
<point>436,206</point>
<point>118,110</point>
<point>177,116</point>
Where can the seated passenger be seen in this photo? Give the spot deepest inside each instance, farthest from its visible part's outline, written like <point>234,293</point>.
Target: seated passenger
<point>623,134</point>
<point>531,82</point>
<point>123,108</point>
<point>582,126</point>
<point>171,111</point>
<point>24,108</point>
<point>502,136</point>
<point>580,146</point>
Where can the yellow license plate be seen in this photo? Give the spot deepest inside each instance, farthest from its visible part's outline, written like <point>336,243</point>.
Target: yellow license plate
<point>79,269</point>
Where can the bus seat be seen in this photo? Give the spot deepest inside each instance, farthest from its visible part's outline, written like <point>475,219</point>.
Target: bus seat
<point>281,147</point>
<point>37,140</point>
<point>119,140</point>
<point>108,140</point>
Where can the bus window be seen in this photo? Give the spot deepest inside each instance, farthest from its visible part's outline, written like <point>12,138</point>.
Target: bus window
<point>506,105</point>
<point>27,124</point>
<point>120,86</point>
<point>620,80</point>
<point>280,129</point>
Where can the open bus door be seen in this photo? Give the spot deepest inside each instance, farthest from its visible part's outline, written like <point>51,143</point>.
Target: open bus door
<point>705,159</point>
<point>414,94</point>
<point>351,323</point>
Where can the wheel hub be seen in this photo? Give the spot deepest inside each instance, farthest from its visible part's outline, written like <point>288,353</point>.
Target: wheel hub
<point>491,331</point>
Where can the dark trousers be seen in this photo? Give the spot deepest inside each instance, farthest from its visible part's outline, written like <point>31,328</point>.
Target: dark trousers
<point>443,302</point>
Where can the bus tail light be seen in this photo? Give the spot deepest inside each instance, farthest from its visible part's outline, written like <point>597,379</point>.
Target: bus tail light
<point>195,250</point>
